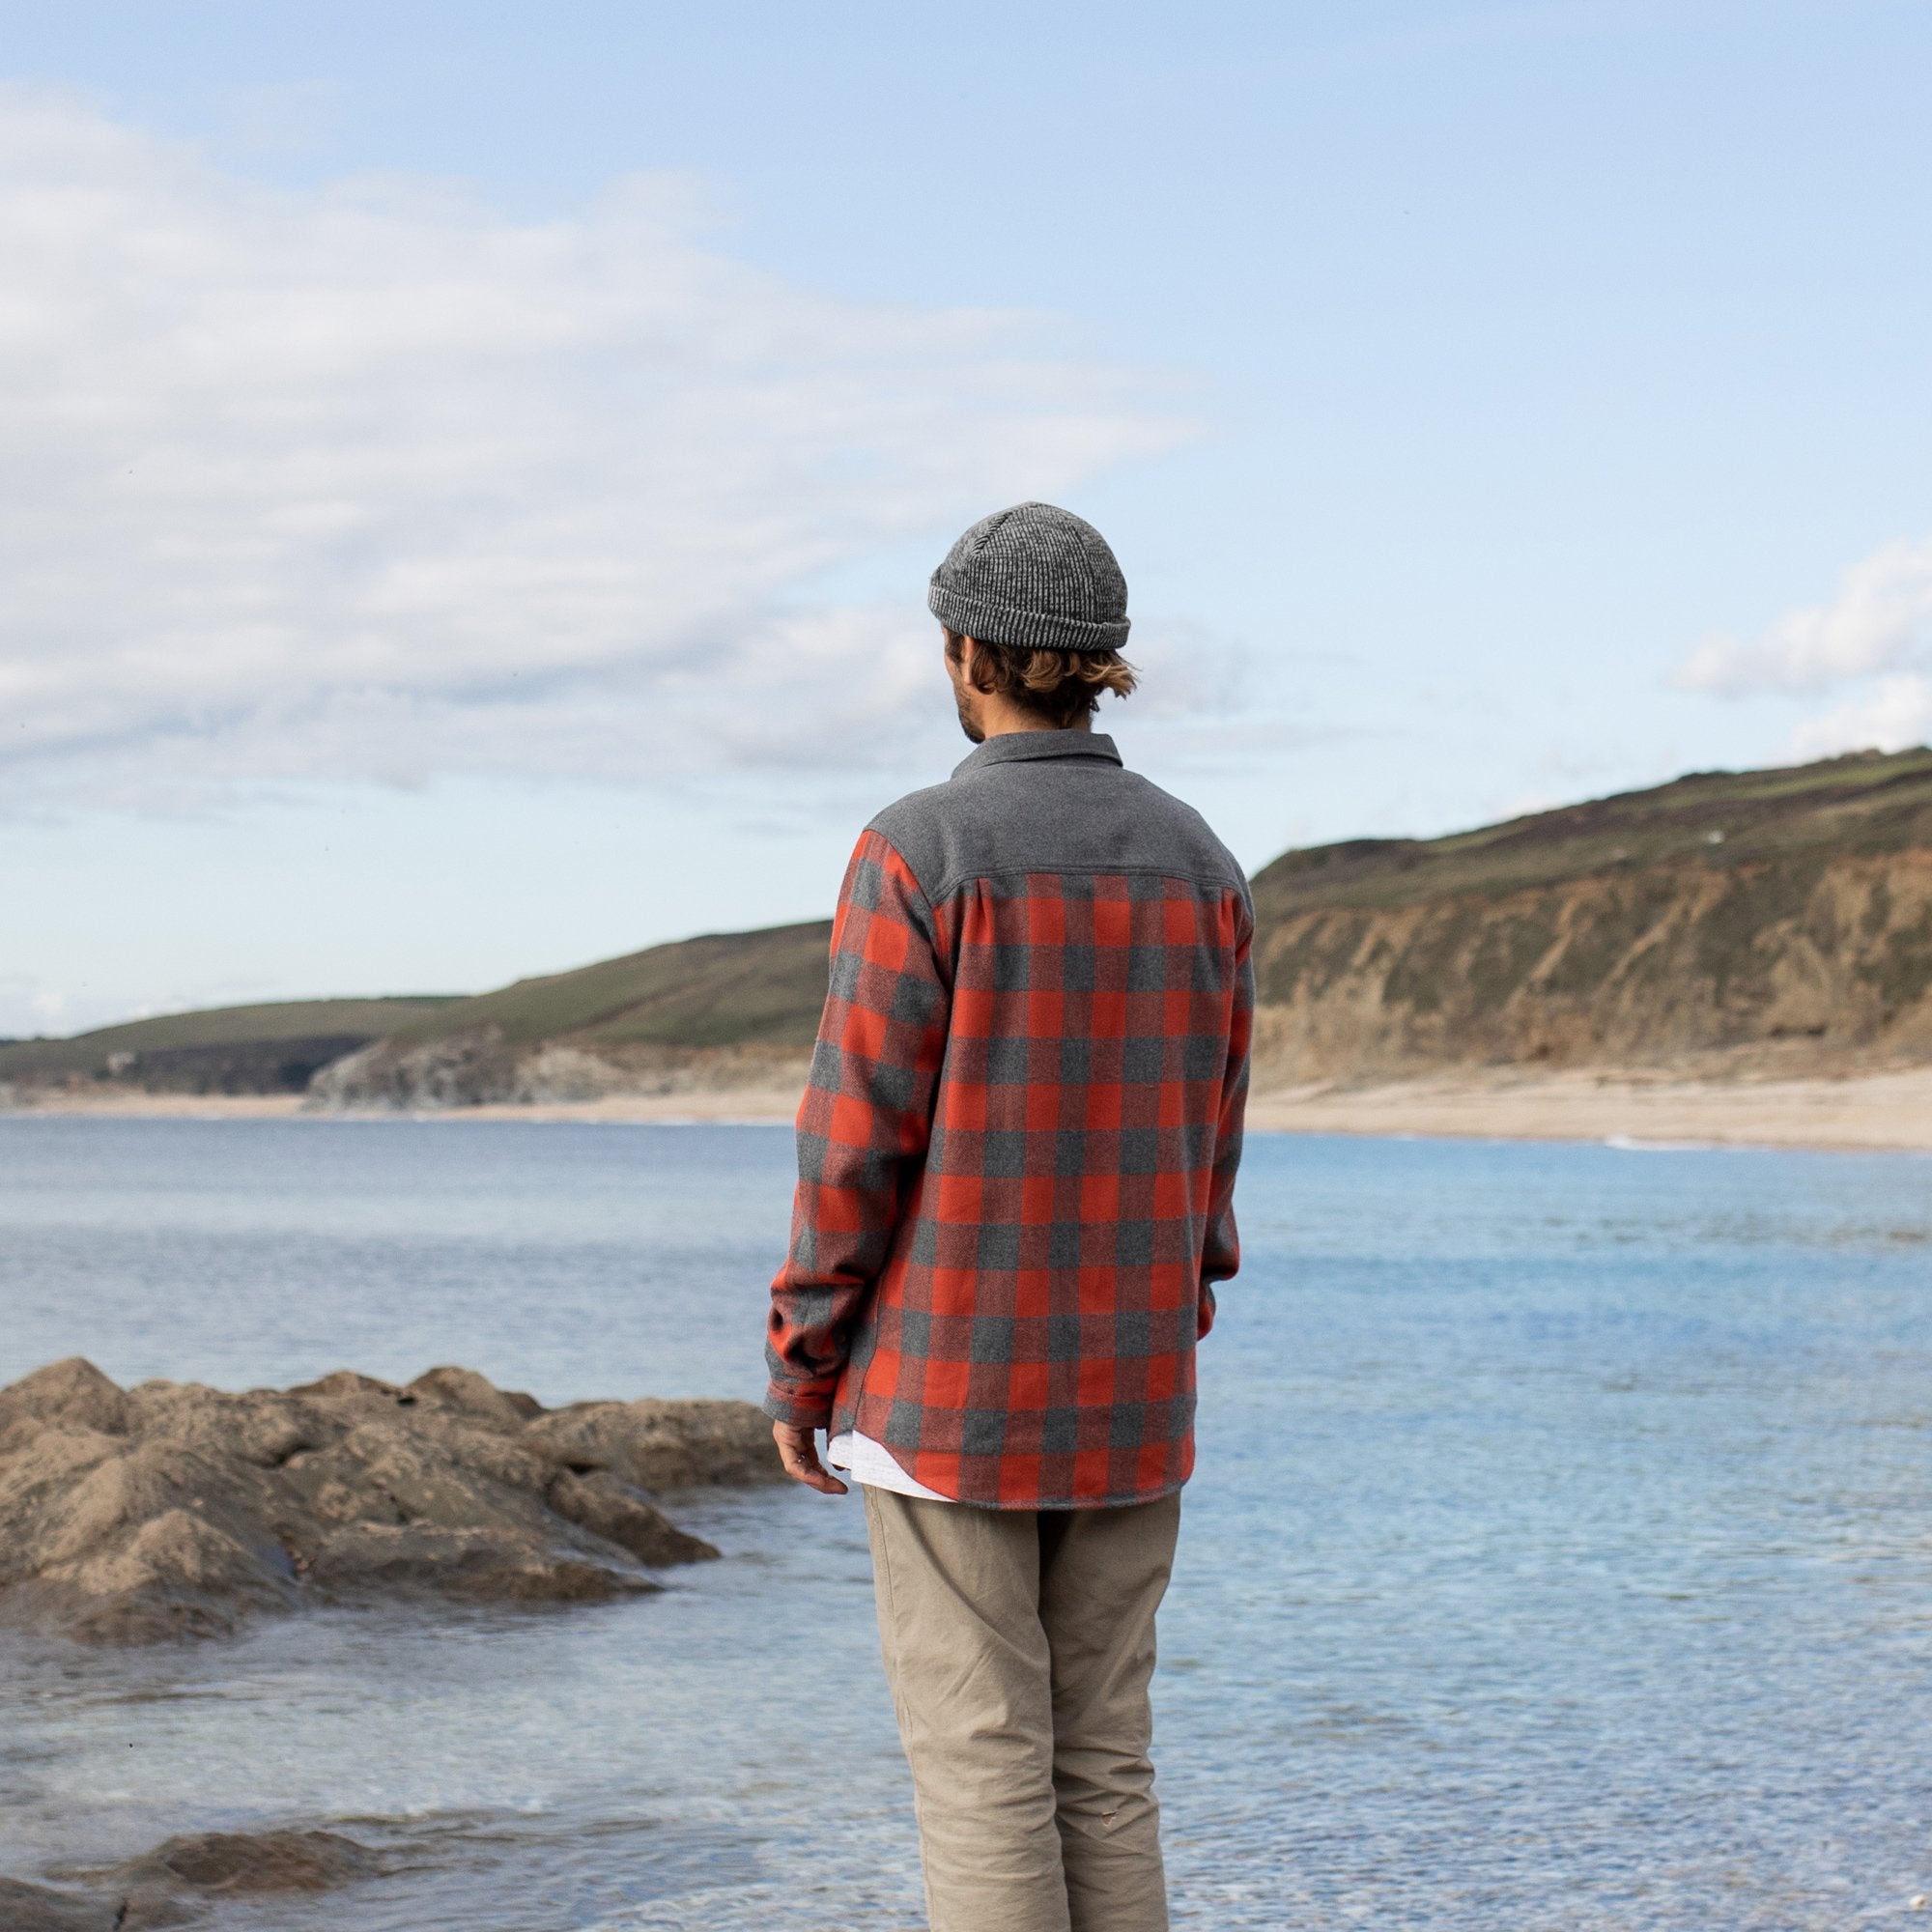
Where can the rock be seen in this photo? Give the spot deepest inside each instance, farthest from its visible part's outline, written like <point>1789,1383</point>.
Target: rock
<point>472,1395</point>
<point>345,1381</point>
<point>150,1909</point>
<point>175,1575</point>
<point>177,1509</point>
<point>177,1881</point>
<point>601,1503</point>
<point>262,1427</point>
<point>236,1862</point>
<point>663,1445</point>
<point>481,1565</point>
<point>34,1908</point>
<point>466,1068</point>
<point>73,1392</point>
<point>135,1537</point>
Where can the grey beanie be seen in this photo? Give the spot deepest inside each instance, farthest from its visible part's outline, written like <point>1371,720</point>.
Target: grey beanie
<point>1034,576</point>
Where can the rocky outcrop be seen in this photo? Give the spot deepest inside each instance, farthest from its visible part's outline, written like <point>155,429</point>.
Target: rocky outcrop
<point>175,1510</point>
<point>482,1068</point>
<point>177,1882</point>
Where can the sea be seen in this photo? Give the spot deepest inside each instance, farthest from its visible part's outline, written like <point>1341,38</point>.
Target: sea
<point>1560,1553</point>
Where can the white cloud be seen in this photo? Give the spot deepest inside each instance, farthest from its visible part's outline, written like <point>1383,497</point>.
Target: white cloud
<point>1894,717</point>
<point>1874,634</point>
<point>373,482</point>
<point>1880,616</point>
<point>31,1008</point>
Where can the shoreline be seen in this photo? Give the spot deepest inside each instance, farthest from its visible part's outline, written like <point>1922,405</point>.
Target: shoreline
<point>669,1110</point>
<point>1871,1113</point>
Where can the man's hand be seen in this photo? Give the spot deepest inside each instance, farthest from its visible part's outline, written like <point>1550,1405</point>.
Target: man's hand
<point>798,1451</point>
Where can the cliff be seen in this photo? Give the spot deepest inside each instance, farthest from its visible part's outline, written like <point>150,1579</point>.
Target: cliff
<point>1778,918</point>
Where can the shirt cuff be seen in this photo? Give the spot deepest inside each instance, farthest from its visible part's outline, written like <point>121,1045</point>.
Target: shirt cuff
<point>797,1408</point>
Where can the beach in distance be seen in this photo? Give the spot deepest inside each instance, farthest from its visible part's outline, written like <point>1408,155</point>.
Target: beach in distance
<point>1874,1111</point>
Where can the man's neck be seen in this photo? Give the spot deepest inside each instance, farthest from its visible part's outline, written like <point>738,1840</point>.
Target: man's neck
<point>999,718</point>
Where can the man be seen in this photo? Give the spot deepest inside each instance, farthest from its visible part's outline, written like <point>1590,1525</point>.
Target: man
<point>1017,1163</point>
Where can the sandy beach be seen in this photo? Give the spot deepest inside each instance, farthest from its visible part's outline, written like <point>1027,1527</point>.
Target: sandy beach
<point>1879,1111</point>
<point>1889,1111</point>
<point>745,1105</point>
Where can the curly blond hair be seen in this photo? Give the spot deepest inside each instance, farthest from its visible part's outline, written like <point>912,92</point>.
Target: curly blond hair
<point>1062,687</point>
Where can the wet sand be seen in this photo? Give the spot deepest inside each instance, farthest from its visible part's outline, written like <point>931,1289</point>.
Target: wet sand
<point>1874,1111</point>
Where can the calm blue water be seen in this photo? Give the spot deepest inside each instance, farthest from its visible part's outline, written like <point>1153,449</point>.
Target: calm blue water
<point>1561,1553</point>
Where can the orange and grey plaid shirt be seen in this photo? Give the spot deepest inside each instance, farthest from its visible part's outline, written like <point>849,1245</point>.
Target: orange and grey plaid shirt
<point>1017,1148</point>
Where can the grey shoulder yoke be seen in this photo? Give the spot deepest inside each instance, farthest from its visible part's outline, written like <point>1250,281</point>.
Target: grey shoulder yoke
<point>1078,814</point>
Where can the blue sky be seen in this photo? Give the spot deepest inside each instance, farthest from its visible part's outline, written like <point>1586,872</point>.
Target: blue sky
<point>474,468</point>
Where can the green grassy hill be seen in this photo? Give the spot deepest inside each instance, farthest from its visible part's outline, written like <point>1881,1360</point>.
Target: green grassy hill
<point>270,1048</point>
<point>1864,803</point>
<point>761,989</point>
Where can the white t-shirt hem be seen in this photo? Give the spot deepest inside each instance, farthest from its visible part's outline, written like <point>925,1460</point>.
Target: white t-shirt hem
<point>876,1467</point>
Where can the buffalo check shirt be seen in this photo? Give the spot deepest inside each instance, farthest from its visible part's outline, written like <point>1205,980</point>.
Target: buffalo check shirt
<point>1016,1152</point>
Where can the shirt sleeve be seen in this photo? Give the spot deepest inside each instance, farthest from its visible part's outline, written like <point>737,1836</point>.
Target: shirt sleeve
<point>863,1125</point>
<point>1221,1251</point>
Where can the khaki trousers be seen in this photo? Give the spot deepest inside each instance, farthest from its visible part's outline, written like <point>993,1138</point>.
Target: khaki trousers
<point>1018,1645</point>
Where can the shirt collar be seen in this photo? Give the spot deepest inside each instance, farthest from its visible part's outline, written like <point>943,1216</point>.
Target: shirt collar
<point>1011,746</point>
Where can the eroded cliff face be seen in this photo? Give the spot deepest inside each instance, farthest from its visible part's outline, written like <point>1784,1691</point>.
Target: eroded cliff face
<point>1819,961</point>
<point>482,1068</point>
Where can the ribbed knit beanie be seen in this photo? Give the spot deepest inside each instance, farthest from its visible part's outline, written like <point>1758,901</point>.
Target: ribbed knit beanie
<point>1034,576</point>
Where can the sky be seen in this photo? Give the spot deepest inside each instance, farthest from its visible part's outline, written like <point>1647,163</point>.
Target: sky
<point>468,474</point>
